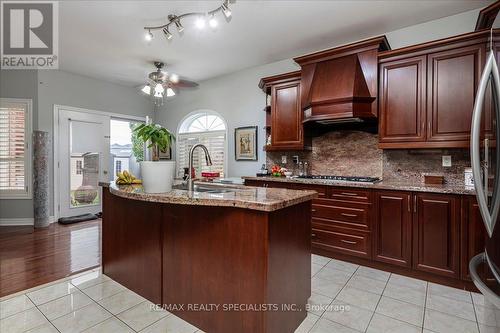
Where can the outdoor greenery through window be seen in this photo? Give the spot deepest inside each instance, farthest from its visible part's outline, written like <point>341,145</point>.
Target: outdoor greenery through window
<point>205,128</point>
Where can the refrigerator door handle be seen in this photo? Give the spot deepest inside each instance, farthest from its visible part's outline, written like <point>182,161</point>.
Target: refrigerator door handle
<point>483,288</point>
<point>490,71</point>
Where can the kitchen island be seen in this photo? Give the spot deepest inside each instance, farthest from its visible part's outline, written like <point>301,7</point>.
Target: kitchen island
<point>234,259</point>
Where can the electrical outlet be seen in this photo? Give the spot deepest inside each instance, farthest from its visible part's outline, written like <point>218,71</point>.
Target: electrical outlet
<point>295,159</point>
<point>446,160</point>
<point>283,159</point>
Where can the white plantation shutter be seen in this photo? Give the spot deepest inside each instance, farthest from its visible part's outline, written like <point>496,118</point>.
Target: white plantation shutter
<point>15,150</point>
<point>215,141</point>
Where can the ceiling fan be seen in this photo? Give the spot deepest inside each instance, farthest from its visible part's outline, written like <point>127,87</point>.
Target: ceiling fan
<point>161,83</point>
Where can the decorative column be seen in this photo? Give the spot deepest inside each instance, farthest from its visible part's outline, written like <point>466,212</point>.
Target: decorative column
<point>41,146</point>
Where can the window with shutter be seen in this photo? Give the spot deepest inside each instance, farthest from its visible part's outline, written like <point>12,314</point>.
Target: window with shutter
<point>15,148</point>
<point>209,130</point>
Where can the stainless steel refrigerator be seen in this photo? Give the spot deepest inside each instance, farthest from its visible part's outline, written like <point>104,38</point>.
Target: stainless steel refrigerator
<point>485,152</point>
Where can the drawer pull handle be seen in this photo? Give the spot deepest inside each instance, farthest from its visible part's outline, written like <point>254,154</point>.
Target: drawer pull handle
<point>348,215</point>
<point>313,210</point>
<point>351,194</point>
<point>348,242</point>
<point>313,235</point>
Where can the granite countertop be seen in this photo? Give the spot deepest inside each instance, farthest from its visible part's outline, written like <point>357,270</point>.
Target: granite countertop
<point>248,197</point>
<point>383,185</point>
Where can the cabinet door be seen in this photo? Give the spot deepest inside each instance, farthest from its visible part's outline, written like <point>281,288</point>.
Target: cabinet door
<point>452,77</point>
<point>473,234</point>
<point>436,234</point>
<point>392,231</point>
<point>402,100</point>
<point>286,116</point>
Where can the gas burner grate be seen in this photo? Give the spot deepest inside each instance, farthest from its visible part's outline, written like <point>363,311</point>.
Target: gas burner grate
<point>344,178</point>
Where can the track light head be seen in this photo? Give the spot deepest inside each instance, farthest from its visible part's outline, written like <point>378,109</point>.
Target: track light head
<point>225,9</point>
<point>213,22</point>
<point>200,22</point>
<point>178,24</point>
<point>167,33</point>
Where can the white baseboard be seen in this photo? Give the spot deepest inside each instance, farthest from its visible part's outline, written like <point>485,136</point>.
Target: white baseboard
<point>21,221</point>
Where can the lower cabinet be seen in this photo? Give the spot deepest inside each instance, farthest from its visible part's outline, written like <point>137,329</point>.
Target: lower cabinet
<point>392,232</point>
<point>473,234</point>
<point>436,234</point>
<point>423,233</point>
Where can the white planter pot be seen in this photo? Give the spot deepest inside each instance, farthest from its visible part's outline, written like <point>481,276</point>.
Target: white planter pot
<point>157,177</point>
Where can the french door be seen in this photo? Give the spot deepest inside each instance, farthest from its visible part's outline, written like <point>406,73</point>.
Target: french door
<point>83,151</point>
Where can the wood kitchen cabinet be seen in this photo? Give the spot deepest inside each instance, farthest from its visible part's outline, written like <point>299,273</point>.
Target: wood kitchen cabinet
<point>393,231</point>
<point>453,76</point>
<point>285,113</point>
<point>436,234</point>
<point>429,236</point>
<point>427,92</point>
<point>473,234</point>
<point>402,100</point>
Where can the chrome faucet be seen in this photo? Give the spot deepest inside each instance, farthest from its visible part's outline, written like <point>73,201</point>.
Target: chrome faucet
<point>207,158</point>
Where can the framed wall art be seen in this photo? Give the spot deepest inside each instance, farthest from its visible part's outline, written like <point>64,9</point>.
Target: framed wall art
<point>245,143</point>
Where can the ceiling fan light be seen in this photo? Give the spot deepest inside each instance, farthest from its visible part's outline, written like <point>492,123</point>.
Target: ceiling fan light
<point>146,89</point>
<point>179,26</point>
<point>226,10</point>
<point>167,33</point>
<point>158,94</point>
<point>174,78</point>
<point>170,92</point>
<point>159,89</point>
<point>148,36</point>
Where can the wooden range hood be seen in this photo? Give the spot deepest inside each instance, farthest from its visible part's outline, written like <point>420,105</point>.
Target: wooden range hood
<point>340,84</point>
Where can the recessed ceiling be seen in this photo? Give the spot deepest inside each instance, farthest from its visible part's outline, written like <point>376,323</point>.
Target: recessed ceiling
<point>105,39</point>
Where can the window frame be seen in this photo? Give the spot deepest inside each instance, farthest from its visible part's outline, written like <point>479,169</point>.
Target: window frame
<point>26,194</point>
<point>190,117</point>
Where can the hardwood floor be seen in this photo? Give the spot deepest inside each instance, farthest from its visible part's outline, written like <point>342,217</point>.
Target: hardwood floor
<point>30,257</point>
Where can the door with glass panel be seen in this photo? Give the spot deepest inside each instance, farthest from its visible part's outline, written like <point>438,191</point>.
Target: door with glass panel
<point>83,161</point>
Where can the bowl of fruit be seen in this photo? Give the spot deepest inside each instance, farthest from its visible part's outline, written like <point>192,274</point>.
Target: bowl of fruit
<point>277,171</point>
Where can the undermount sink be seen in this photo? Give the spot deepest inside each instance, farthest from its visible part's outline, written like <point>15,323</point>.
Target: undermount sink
<point>205,188</point>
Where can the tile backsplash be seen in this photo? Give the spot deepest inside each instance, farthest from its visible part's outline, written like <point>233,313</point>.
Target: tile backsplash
<point>356,153</point>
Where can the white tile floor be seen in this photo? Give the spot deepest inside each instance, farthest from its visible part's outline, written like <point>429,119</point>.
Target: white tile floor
<point>345,298</point>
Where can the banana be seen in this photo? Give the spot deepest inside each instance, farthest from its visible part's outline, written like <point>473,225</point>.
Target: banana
<point>126,178</point>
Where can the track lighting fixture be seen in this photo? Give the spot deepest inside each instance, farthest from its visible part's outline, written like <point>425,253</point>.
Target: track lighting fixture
<point>200,21</point>
<point>213,22</point>
<point>225,9</point>
<point>178,24</point>
<point>167,33</point>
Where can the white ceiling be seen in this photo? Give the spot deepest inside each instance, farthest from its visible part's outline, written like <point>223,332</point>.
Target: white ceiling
<point>105,39</point>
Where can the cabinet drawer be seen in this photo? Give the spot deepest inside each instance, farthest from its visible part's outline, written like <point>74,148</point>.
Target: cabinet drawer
<point>356,243</point>
<point>353,215</point>
<point>350,194</point>
<point>322,193</point>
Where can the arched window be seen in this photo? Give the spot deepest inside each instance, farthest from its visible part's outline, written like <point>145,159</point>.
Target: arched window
<point>208,128</point>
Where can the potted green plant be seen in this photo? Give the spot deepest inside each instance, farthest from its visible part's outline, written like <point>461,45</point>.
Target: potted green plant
<point>157,176</point>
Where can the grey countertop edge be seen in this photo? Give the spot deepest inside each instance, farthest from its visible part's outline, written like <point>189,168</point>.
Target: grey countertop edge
<point>383,185</point>
<point>281,201</point>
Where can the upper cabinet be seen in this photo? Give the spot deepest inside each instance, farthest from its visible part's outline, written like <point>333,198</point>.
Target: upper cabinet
<point>427,92</point>
<point>402,100</point>
<point>284,115</point>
